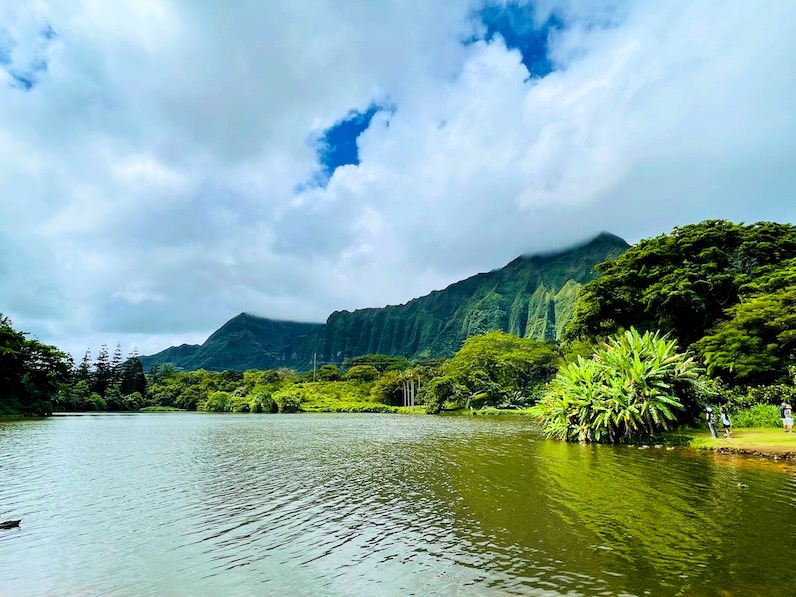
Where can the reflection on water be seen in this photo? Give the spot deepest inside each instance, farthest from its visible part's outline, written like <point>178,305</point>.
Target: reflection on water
<point>189,504</point>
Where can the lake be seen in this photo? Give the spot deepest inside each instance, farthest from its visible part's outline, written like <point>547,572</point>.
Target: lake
<point>200,504</point>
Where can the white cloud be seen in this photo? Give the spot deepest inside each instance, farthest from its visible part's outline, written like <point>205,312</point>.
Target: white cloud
<point>148,179</point>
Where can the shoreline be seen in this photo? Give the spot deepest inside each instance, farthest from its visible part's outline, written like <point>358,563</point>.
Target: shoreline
<point>766,443</point>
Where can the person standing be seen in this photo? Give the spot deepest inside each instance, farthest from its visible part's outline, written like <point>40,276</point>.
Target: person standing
<point>786,413</point>
<point>725,420</point>
<point>711,418</point>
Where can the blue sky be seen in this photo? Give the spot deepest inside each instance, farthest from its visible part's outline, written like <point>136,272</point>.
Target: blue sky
<point>168,164</point>
<point>512,23</point>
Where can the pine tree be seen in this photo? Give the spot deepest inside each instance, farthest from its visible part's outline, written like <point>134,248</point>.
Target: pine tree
<point>115,380</point>
<point>83,371</point>
<point>133,378</point>
<point>101,377</point>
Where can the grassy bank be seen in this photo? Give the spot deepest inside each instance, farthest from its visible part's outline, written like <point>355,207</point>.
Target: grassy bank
<point>758,441</point>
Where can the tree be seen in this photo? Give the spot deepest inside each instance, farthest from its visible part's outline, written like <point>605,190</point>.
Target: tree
<point>329,373</point>
<point>115,380</point>
<point>31,373</point>
<point>132,378</point>
<point>83,371</point>
<point>101,377</point>
<point>680,283</point>
<point>500,369</point>
<point>757,345</point>
<point>635,385</point>
<point>363,373</point>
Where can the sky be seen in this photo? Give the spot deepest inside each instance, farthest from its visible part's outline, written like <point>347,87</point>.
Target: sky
<point>166,165</point>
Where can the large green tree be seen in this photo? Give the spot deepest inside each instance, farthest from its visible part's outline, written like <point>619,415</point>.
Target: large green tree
<point>31,373</point>
<point>757,344</point>
<point>494,369</point>
<point>682,283</point>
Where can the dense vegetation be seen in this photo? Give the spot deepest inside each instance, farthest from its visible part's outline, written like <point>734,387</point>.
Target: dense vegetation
<point>697,283</point>
<point>726,293</point>
<point>635,384</point>
<point>31,373</point>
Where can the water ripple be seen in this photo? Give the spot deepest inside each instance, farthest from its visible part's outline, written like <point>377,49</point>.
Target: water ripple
<point>373,504</point>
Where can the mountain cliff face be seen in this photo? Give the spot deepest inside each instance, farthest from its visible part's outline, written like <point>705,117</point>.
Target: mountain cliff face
<point>533,297</point>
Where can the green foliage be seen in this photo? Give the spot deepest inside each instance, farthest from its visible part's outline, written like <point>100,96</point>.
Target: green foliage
<point>387,388</point>
<point>216,402</point>
<point>329,373</point>
<point>759,415</point>
<point>133,378</point>
<point>757,344</point>
<point>439,391</point>
<point>288,402</point>
<point>31,373</point>
<point>680,283</point>
<point>497,369</point>
<point>362,373</point>
<point>97,402</point>
<point>773,394</point>
<point>633,386</point>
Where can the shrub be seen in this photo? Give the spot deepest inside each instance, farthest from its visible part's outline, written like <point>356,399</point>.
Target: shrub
<point>97,402</point>
<point>774,394</point>
<point>289,402</point>
<point>362,373</point>
<point>633,386</point>
<point>262,402</point>
<point>759,415</point>
<point>217,402</point>
<point>133,401</point>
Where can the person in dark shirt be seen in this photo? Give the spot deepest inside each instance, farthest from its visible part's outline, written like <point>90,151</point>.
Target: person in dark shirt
<point>711,417</point>
<point>725,420</point>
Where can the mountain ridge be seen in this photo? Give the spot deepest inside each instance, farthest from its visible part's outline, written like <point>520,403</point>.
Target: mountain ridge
<point>531,296</point>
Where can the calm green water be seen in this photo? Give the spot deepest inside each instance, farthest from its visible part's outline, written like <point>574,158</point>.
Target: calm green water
<point>191,504</point>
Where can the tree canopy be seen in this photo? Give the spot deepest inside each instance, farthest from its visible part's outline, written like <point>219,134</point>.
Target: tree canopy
<point>30,372</point>
<point>758,343</point>
<point>496,368</point>
<point>681,283</point>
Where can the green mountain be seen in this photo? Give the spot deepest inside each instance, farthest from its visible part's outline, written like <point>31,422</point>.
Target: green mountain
<point>244,342</point>
<point>533,296</point>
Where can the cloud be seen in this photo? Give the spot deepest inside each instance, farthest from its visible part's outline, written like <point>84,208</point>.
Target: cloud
<point>153,176</point>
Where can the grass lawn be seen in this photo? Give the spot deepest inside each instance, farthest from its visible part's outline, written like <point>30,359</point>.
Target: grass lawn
<point>762,440</point>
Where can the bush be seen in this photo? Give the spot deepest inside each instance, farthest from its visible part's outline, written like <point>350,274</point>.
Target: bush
<point>362,373</point>
<point>631,387</point>
<point>775,394</point>
<point>217,402</point>
<point>262,402</point>
<point>133,401</point>
<point>289,402</point>
<point>759,415</point>
<point>97,402</point>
